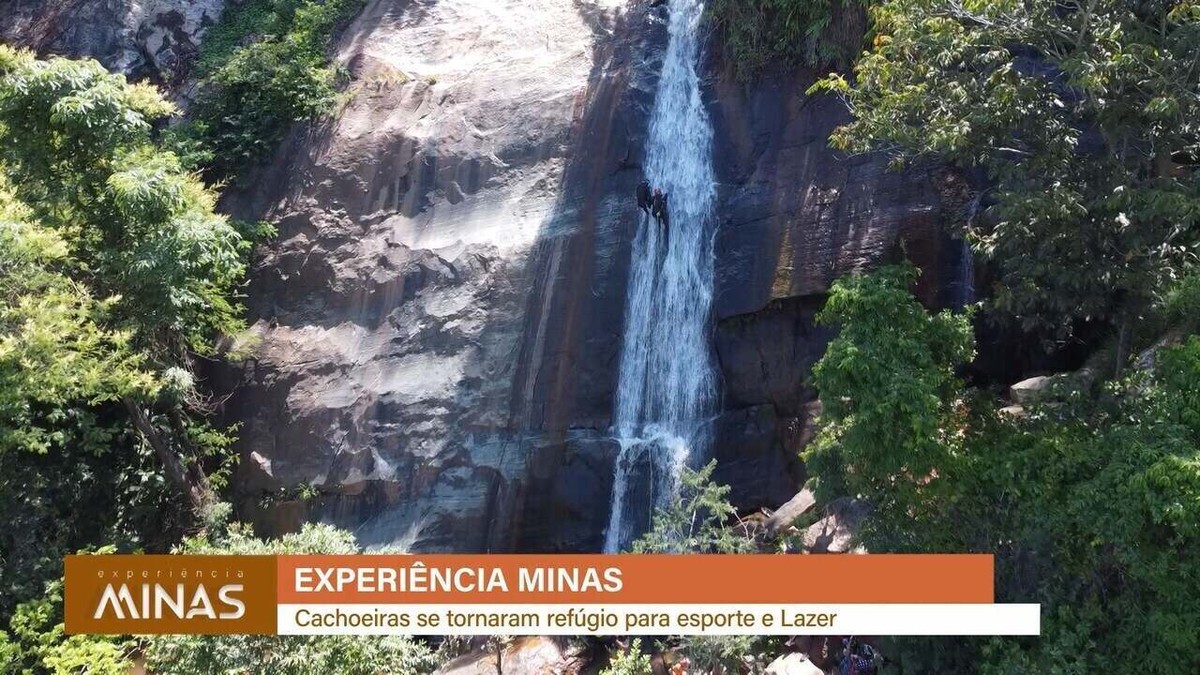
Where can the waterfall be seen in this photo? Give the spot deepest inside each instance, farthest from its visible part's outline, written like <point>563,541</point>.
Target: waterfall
<point>966,275</point>
<point>966,260</point>
<point>665,389</point>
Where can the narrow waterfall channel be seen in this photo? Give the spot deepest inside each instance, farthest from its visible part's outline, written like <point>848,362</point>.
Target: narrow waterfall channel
<point>666,385</point>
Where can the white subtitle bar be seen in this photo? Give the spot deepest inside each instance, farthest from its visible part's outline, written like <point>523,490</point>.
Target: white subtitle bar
<point>673,619</point>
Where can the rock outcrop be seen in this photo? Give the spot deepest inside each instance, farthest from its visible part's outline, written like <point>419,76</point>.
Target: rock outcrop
<point>155,39</point>
<point>438,324</point>
<point>522,656</point>
<point>437,327</point>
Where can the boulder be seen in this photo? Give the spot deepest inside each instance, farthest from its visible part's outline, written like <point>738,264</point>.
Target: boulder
<point>837,530</point>
<point>1030,390</point>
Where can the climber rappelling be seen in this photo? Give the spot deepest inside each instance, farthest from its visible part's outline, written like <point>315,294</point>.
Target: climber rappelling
<point>643,196</point>
<point>658,209</point>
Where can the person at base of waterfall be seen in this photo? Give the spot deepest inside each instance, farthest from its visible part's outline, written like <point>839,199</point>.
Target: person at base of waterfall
<point>858,658</point>
<point>658,209</point>
<point>643,196</point>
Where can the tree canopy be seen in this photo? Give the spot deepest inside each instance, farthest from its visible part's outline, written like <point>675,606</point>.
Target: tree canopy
<point>1091,504</point>
<point>1084,119</point>
<point>116,274</point>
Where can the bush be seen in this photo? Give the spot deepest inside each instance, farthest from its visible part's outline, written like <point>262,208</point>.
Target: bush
<point>284,655</point>
<point>264,67</point>
<point>1090,503</point>
<point>698,521</point>
<point>758,33</point>
<point>631,662</point>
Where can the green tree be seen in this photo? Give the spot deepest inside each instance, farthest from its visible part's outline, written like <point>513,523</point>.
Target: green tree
<point>38,643</point>
<point>135,271</point>
<point>697,521</point>
<point>115,275</point>
<point>701,520</point>
<point>1091,505</point>
<point>891,416</point>
<point>1085,116</point>
<point>287,655</point>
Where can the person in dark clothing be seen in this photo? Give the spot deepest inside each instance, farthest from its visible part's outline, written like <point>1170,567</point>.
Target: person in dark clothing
<point>658,209</point>
<point>643,196</point>
<point>858,658</point>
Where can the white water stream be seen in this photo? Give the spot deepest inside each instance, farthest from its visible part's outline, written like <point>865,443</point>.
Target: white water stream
<point>666,385</point>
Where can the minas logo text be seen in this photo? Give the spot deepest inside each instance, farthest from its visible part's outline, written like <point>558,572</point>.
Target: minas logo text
<point>207,594</point>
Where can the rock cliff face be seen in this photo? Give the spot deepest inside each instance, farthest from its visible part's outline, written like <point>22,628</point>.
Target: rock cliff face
<point>154,39</point>
<point>436,329</point>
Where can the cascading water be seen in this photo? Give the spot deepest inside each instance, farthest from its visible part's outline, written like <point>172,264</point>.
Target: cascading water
<point>666,384</point>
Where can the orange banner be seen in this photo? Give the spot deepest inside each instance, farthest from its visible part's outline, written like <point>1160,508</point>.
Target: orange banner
<point>640,579</point>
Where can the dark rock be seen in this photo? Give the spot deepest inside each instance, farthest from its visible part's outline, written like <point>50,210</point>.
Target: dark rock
<point>752,460</point>
<point>795,214</point>
<point>767,357</point>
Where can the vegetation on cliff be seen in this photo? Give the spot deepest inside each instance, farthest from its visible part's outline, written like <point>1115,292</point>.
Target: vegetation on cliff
<point>118,275</point>
<point>761,34</point>
<point>1083,120</point>
<point>264,67</point>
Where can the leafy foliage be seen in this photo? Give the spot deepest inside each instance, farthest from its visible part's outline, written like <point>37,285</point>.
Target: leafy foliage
<point>630,662</point>
<point>114,273</point>
<point>699,522</point>
<point>38,643</point>
<point>1083,115</point>
<point>271,655</point>
<point>761,33</point>
<point>265,67</point>
<point>888,393</point>
<point>139,230</point>
<point>703,521</point>
<point>1091,506</point>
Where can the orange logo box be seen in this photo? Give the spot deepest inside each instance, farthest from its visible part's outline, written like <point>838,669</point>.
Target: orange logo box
<point>162,594</point>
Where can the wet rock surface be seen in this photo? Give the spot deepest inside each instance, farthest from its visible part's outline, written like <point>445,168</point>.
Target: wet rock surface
<point>437,325</point>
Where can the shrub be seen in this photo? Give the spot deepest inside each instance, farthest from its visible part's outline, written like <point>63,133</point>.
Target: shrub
<point>631,662</point>
<point>284,655</point>
<point>264,67</point>
<point>758,33</point>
